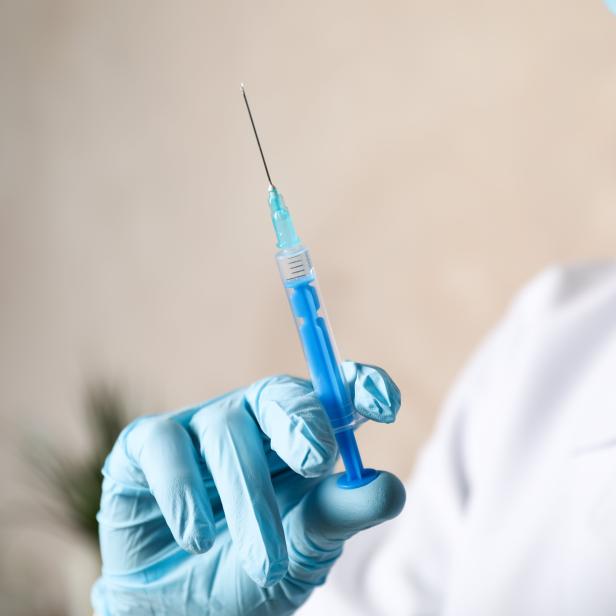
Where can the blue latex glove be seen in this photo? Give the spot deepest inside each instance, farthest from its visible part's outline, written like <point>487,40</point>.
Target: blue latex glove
<point>223,508</point>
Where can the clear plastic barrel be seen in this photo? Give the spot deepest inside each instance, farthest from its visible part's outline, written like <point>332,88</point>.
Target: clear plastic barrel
<point>299,279</point>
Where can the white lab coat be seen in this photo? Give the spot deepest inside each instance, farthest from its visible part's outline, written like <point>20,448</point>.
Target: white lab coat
<point>512,507</point>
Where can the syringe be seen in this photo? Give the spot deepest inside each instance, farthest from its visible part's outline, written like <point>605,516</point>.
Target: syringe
<point>299,279</point>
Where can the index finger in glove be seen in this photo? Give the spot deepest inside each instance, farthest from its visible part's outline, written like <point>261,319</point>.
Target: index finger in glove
<point>290,414</point>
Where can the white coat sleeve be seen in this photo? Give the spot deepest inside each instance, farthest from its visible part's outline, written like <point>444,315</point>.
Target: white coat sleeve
<point>402,567</point>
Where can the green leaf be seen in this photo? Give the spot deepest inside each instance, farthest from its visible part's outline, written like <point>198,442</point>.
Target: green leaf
<point>73,486</point>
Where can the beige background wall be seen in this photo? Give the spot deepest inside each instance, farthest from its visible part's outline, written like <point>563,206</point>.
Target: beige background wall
<point>435,155</point>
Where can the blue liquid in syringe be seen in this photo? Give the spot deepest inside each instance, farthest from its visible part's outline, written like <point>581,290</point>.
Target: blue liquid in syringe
<point>327,379</point>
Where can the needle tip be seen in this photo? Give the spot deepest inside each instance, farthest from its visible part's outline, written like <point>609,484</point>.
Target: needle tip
<point>254,128</point>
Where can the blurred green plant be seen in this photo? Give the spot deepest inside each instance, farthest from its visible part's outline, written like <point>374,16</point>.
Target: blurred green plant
<point>71,487</point>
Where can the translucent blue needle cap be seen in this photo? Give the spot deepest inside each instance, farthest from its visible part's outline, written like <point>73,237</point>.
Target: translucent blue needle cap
<point>282,221</point>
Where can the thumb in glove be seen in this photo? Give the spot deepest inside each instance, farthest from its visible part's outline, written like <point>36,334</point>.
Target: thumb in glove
<point>329,515</point>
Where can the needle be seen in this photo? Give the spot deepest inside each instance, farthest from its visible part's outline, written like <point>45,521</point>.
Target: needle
<point>254,128</point>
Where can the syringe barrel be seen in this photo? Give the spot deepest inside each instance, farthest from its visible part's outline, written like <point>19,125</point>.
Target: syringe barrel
<point>329,384</point>
<point>299,279</point>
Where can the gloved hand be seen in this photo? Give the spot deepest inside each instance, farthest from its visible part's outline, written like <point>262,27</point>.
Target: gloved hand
<point>223,508</point>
